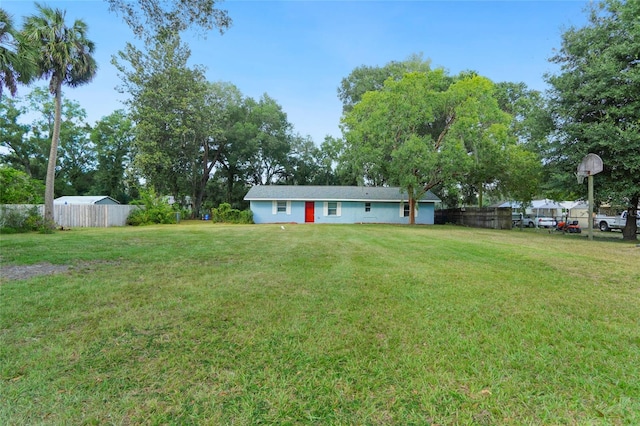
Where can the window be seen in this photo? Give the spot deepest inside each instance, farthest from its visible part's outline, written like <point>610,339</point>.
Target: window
<point>404,210</point>
<point>367,207</point>
<point>332,208</point>
<point>279,207</point>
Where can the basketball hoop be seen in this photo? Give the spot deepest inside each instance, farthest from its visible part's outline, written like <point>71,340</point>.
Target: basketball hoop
<point>590,165</point>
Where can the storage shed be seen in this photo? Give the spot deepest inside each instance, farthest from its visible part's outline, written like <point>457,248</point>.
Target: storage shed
<point>86,199</point>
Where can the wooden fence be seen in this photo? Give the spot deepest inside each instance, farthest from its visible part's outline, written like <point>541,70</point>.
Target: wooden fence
<point>476,217</point>
<point>82,215</point>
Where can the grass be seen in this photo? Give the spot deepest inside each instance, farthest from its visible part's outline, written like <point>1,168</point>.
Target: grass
<point>366,324</point>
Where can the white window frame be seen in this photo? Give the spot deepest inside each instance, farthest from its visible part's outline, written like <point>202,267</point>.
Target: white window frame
<point>406,204</point>
<point>338,208</point>
<point>274,207</point>
<point>367,207</point>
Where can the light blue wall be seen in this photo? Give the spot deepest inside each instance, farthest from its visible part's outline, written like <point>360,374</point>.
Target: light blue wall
<point>351,212</point>
<point>263,212</point>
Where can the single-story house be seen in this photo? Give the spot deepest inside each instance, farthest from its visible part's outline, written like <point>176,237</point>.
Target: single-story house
<point>86,199</point>
<point>336,204</point>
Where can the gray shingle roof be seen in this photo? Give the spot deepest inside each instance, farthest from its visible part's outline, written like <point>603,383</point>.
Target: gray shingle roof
<point>331,193</point>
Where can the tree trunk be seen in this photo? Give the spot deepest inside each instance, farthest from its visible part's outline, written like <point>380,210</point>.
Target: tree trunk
<point>631,227</point>
<point>230,177</point>
<point>197,204</point>
<point>412,213</point>
<point>53,158</point>
<point>198,195</point>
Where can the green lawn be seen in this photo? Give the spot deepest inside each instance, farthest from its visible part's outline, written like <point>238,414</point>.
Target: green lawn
<point>351,325</point>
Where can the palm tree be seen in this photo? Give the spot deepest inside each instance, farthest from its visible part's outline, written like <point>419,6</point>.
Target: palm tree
<point>14,67</point>
<point>64,56</point>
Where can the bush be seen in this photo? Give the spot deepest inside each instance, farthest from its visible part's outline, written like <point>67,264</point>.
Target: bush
<point>246,216</point>
<point>185,213</point>
<point>19,188</point>
<point>225,214</point>
<point>138,217</point>
<point>155,210</point>
<point>16,220</point>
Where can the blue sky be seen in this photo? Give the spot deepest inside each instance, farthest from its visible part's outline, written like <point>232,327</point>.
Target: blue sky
<point>299,51</point>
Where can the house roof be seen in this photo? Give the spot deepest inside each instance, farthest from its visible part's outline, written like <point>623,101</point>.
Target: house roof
<point>332,193</point>
<point>85,199</point>
<point>512,204</point>
<point>574,204</point>
<point>545,204</point>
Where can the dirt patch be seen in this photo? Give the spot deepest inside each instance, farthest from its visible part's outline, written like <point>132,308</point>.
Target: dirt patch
<point>23,272</point>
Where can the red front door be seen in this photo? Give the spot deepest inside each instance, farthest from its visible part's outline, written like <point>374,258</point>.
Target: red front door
<point>309,212</point>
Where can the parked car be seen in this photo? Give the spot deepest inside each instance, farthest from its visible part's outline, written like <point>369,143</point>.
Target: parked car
<point>545,222</point>
<point>527,222</point>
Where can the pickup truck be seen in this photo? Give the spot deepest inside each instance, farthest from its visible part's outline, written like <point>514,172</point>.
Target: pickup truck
<point>607,223</point>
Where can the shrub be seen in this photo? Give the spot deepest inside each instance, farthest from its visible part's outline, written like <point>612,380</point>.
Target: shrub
<point>225,214</point>
<point>16,220</point>
<point>137,217</point>
<point>155,210</point>
<point>183,212</point>
<point>19,188</point>
<point>246,216</point>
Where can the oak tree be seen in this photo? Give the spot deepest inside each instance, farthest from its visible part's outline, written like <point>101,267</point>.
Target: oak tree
<point>149,18</point>
<point>422,131</point>
<point>112,137</point>
<point>371,78</point>
<point>596,99</point>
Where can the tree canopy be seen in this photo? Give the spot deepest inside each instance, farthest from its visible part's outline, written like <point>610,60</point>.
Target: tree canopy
<point>188,128</point>
<point>371,78</point>
<point>428,129</point>
<point>8,54</point>
<point>174,130</point>
<point>112,138</point>
<point>596,101</point>
<point>17,58</point>
<point>148,18</point>
<point>19,188</point>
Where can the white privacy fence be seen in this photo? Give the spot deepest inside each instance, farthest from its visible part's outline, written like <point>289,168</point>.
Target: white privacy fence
<point>82,215</point>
